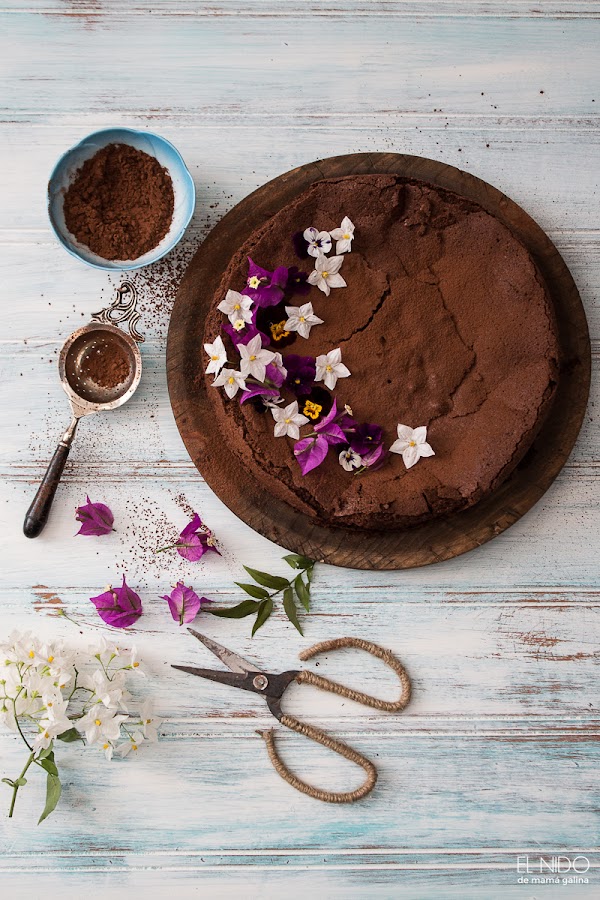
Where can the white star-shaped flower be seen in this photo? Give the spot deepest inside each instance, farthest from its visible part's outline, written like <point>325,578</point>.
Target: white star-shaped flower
<point>231,380</point>
<point>318,241</point>
<point>325,275</point>
<point>100,723</point>
<point>217,355</point>
<point>412,444</point>
<point>253,359</point>
<point>288,421</point>
<point>344,236</point>
<point>236,307</point>
<point>330,367</point>
<point>301,319</point>
<point>350,460</point>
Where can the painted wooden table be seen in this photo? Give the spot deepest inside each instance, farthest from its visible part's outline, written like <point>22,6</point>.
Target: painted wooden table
<point>497,757</point>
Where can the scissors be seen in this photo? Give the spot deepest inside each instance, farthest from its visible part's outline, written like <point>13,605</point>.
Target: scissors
<point>272,686</point>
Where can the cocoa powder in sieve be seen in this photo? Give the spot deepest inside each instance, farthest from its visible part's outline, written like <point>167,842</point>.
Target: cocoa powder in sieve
<point>120,203</point>
<point>107,366</point>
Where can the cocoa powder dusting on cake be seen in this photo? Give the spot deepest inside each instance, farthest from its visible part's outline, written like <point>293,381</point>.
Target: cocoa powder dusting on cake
<point>120,203</point>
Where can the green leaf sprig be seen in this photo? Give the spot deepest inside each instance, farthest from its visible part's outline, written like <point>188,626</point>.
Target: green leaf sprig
<point>261,604</point>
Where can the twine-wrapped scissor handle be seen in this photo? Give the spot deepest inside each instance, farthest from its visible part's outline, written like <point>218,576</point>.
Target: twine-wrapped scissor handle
<point>325,684</point>
<point>321,737</point>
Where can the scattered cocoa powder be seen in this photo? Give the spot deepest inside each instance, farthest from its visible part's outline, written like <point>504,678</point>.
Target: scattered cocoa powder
<point>120,203</point>
<point>107,366</point>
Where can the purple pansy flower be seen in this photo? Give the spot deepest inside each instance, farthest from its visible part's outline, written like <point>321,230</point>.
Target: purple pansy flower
<point>264,287</point>
<point>301,374</point>
<point>310,452</point>
<point>194,541</point>
<point>300,245</point>
<point>119,607</point>
<point>365,438</point>
<point>297,282</point>
<point>184,603</point>
<point>95,518</point>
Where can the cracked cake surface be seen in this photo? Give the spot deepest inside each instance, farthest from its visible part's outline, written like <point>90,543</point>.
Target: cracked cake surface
<point>445,322</point>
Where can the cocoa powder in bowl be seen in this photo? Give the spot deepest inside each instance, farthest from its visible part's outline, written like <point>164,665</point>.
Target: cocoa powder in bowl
<point>120,203</point>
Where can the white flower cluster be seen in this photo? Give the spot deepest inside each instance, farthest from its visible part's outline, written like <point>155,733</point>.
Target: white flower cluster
<point>327,268</point>
<point>51,689</point>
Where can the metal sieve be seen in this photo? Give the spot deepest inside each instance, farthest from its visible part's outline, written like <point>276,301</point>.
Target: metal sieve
<point>87,395</point>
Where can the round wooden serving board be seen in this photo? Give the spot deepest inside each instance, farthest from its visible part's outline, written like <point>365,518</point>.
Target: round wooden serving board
<point>438,539</point>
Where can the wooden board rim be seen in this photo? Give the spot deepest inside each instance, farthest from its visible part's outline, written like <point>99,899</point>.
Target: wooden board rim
<point>439,539</point>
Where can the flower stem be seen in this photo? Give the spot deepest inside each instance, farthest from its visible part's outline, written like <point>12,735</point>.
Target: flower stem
<point>16,786</point>
<point>25,741</point>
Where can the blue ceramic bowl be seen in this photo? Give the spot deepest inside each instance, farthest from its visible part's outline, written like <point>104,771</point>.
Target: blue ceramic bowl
<point>73,159</point>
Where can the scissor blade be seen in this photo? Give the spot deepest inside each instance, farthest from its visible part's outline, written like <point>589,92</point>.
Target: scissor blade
<point>228,657</point>
<point>235,679</point>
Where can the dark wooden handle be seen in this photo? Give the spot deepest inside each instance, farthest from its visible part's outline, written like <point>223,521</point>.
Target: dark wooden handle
<point>37,514</point>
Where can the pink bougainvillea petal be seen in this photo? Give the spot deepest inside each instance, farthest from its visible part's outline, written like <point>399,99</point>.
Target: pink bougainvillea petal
<point>310,453</point>
<point>184,603</point>
<point>119,607</point>
<point>95,518</point>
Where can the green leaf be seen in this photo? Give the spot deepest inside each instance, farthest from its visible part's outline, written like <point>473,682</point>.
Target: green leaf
<point>8,781</point>
<point>253,590</point>
<point>264,611</point>
<point>290,608</point>
<point>20,782</point>
<point>298,562</point>
<point>245,608</point>
<point>270,581</point>
<point>53,792</point>
<point>309,572</point>
<point>44,753</point>
<point>49,765</point>
<point>70,736</point>
<point>303,592</point>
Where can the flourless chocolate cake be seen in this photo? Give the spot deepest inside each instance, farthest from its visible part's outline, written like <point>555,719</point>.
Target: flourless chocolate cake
<point>444,327</point>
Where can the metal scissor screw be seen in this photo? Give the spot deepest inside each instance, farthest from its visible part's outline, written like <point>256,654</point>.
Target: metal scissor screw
<point>260,682</point>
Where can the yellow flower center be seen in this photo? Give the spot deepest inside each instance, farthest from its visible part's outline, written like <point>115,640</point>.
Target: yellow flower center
<point>50,659</point>
<point>31,654</point>
<point>412,443</point>
<point>287,421</point>
<point>135,665</point>
<point>252,358</point>
<point>302,319</point>
<point>134,746</point>
<point>231,379</point>
<point>105,746</point>
<point>328,368</point>
<point>311,409</point>
<point>346,237</point>
<point>214,358</point>
<point>237,306</point>
<point>324,274</point>
<point>97,722</point>
<point>46,735</point>
<point>278,331</point>
<point>49,704</point>
<point>148,721</point>
<point>297,381</point>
